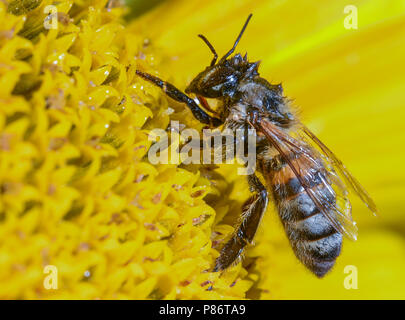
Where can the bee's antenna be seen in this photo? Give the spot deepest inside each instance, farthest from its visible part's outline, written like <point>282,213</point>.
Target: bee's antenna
<point>211,48</point>
<point>237,39</point>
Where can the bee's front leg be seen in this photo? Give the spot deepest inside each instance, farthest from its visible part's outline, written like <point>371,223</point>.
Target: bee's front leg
<point>252,212</point>
<point>179,96</point>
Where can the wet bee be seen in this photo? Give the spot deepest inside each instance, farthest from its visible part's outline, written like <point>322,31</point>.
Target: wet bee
<point>309,185</point>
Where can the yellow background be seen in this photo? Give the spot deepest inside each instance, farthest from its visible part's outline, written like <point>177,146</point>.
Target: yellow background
<point>77,191</point>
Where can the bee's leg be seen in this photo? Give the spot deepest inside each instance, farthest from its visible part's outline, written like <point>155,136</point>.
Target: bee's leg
<point>177,95</point>
<point>252,212</point>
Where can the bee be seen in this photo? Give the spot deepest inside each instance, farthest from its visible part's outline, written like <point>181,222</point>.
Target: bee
<point>309,185</point>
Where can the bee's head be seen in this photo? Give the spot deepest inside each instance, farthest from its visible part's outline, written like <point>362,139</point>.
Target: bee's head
<point>221,78</point>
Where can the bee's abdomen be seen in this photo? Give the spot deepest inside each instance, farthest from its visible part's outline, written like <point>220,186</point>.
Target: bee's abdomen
<point>314,240</point>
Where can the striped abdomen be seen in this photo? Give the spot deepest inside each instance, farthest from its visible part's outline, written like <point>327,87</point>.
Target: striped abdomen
<point>314,240</point>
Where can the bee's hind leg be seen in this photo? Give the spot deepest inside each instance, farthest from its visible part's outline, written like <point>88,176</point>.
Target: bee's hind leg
<point>252,212</point>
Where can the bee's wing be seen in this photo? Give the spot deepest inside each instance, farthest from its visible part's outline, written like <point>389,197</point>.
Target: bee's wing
<point>341,169</point>
<point>313,167</point>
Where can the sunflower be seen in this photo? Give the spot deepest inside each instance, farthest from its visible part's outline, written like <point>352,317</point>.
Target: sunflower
<point>85,215</point>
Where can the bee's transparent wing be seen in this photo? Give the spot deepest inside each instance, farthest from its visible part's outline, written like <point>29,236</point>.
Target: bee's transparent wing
<point>340,168</point>
<point>330,194</point>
